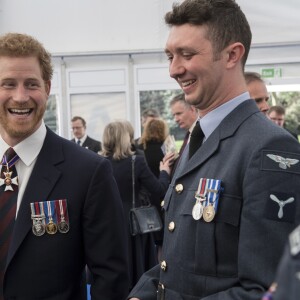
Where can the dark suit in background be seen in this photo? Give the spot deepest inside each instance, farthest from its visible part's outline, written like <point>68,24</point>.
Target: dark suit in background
<point>91,144</point>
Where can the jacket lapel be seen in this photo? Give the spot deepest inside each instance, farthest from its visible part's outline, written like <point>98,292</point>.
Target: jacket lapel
<point>42,180</point>
<point>226,129</point>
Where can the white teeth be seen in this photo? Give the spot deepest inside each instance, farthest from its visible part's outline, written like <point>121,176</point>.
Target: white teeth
<point>186,83</point>
<point>20,111</point>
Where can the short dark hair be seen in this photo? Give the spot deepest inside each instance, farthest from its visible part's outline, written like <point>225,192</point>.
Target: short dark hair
<point>76,118</point>
<point>252,76</point>
<point>225,21</point>
<point>280,110</point>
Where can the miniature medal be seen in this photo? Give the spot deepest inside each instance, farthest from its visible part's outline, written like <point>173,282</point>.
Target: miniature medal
<point>38,218</point>
<point>63,224</point>
<point>208,213</point>
<point>51,227</point>
<point>38,228</point>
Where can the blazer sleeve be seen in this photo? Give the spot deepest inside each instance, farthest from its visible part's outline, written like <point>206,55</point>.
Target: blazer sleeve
<point>148,180</point>
<point>104,236</point>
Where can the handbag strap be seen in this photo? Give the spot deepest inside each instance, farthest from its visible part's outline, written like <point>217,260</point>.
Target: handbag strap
<point>133,181</point>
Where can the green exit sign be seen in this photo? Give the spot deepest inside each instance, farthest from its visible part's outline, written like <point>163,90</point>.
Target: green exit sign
<point>271,72</point>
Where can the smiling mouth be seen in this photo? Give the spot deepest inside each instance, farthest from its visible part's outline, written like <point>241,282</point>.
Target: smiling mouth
<point>20,112</point>
<point>187,83</point>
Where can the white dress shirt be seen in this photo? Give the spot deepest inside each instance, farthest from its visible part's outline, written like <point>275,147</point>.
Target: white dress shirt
<point>27,150</point>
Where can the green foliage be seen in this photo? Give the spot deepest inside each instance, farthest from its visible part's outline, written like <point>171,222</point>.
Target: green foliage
<point>160,100</point>
<point>291,102</point>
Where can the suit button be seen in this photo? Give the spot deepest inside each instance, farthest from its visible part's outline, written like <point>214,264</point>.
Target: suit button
<point>163,265</point>
<point>162,203</point>
<point>179,188</point>
<point>171,226</point>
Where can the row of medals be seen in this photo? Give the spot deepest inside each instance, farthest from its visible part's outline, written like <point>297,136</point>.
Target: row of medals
<point>207,212</point>
<point>39,228</point>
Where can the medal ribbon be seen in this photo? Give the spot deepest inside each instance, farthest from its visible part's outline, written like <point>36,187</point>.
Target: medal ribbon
<point>61,207</point>
<point>10,163</point>
<point>49,208</point>
<point>210,190</point>
<point>202,187</point>
<point>37,211</point>
<point>213,192</point>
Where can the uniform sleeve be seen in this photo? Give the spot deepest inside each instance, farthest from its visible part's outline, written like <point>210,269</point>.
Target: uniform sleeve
<point>146,288</point>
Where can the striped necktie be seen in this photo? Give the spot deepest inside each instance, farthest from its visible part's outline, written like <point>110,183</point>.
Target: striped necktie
<point>8,204</point>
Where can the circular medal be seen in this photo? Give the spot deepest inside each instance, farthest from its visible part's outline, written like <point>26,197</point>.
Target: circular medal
<point>38,229</point>
<point>197,211</point>
<point>51,228</point>
<point>63,227</point>
<point>208,213</point>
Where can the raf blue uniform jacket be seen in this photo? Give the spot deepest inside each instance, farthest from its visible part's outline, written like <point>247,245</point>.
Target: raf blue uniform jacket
<point>235,255</point>
<point>50,267</point>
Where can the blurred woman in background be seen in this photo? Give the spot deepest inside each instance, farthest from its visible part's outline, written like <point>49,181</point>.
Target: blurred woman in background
<point>154,134</point>
<point>151,141</point>
<point>117,147</point>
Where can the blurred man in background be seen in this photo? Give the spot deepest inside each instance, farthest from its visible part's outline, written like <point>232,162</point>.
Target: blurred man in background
<point>80,136</point>
<point>258,91</point>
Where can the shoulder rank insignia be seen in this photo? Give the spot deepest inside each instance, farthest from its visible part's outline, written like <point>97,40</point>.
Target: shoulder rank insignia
<point>284,163</point>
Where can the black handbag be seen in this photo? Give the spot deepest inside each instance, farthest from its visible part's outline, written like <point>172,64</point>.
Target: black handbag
<point>143,219</point>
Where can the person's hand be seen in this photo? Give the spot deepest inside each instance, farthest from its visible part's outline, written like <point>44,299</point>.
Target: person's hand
<point>166,163</point>
<point>134,299</point>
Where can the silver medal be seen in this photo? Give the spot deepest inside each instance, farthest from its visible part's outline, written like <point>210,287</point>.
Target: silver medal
<point>197,211</point>
<point>63,226</point>
<point>38,227</point>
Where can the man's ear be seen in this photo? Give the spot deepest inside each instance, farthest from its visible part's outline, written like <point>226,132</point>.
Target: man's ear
<point>234,52</point>
<point>48,87</point>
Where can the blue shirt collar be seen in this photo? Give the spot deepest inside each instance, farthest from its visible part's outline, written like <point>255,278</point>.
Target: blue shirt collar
<point>212,120</point>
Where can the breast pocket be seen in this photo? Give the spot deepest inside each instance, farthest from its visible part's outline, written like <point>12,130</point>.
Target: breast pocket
<point>211,248</point>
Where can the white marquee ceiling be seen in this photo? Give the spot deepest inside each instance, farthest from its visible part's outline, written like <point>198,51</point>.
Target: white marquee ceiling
<point>101,25</point>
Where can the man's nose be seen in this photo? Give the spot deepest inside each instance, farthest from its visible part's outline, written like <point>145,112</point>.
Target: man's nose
<point>266,106</point>
<point>176,68</point>
<point>21,94</point>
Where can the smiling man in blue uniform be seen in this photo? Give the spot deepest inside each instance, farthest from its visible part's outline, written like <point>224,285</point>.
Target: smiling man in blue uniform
<point>231,205</point>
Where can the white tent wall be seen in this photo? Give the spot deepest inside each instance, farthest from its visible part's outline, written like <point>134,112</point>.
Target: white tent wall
<point>115,49</point>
